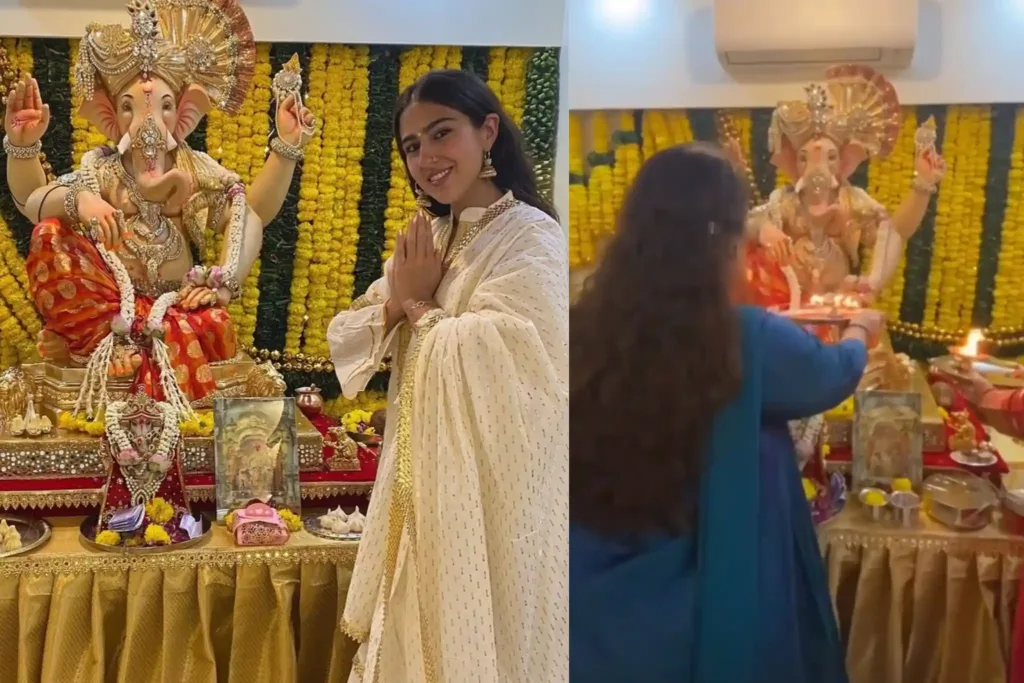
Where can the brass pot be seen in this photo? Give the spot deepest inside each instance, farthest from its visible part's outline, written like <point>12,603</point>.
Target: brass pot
<point>309,400</point>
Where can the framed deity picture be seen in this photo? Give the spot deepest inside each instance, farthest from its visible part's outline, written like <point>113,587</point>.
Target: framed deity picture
<point>887,438</point>
<point>255,453</point>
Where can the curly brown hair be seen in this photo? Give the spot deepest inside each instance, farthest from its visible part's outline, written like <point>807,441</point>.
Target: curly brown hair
<point>654,346</point>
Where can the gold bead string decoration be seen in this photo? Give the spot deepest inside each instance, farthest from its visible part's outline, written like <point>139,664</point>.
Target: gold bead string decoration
<point>301,362</point>
<point>996,336</point>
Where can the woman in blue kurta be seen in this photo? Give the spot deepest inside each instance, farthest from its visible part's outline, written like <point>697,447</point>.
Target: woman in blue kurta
<point>692,554</point>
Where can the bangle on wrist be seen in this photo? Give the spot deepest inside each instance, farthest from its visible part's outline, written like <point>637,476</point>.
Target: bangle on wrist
<point>71,202</point>
<point>921,187</point>
<point>15,152</point>
<point>287,150</point>
<point>860,326</point>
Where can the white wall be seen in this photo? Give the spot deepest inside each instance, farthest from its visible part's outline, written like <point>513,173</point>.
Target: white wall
<point>401,22</point>
<point>648,54</point>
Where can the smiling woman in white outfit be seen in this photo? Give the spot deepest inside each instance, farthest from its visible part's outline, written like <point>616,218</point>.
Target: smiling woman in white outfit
<point>462,572</point>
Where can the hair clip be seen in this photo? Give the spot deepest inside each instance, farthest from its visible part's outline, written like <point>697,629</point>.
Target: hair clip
<point>712,228</point>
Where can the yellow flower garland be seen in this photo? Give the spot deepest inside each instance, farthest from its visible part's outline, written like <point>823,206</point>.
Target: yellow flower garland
<point>741,118</point>
<point>366,400</point>
<point>1008,305</point>
<point>619,182</point>
<point>948,209</point>
<point>659,133</point>
<point>496,70</point>
<point>959,283</point>
<point>310,218</point>
<point>453,58</point>
<point>581,243</point>
<point>322,264</point>
<point>258,99</point>
<point>513,86</point>
<point>599,188</point>
<point>888,182</point>
<point>414,62</point>
<point>679,128</point>
<point>347,205</point>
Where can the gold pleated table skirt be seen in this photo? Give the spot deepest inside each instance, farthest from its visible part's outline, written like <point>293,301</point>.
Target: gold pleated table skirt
<point>212,614</point>
<point>928,605</point>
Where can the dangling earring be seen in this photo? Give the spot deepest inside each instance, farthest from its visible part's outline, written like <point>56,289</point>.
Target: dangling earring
<point>422,200</point>
<point>488,170</point>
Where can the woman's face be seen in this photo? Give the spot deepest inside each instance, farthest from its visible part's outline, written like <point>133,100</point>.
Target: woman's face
<point>443,150</point>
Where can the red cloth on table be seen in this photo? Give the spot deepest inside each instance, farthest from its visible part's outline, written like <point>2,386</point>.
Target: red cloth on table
<point>77,296</point>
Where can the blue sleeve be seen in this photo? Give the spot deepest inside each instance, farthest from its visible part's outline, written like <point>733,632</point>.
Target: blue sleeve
<point>804,376</point>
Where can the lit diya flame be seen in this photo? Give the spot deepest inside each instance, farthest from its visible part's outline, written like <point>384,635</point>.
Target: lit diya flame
<point>966,355</point>
<point>970,347</point>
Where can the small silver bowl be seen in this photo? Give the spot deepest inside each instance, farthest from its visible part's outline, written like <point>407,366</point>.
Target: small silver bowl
<point>877,512</point>
<point>906,504</point>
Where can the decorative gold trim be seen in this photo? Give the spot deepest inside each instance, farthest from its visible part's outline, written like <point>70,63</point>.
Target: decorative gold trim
<point>343,554</point>
<point>39,500</point>
<point>316,490</point>
<point>997,336</point>
<point>352,632</point>
<point>917,541</point>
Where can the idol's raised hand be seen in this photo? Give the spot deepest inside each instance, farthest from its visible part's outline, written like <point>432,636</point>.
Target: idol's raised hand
<point>417,266</point>
<point>295,123</point>
<point>27,118</point>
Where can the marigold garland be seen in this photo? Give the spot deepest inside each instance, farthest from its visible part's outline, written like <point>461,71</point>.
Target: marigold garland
<point>322,263</point>
<point>347,205</point>
<point>513,85</point>
<point>254,128</point>
<point>314,216</point>
<point>540,115</point>
<point>581,241</point>
<point>414,63</point>
<point>888,182</point>
<point>957,308</point>
<point>600,207</point>
<point>949,215</point>
<point>1008,306</point>
<point>680,130</point>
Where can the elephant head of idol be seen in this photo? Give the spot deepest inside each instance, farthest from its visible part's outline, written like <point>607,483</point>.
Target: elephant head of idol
<point>819,142</point>
<point>147,87</point>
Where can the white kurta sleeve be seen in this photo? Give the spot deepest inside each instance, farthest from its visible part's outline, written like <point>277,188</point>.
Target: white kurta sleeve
<point>490,470</point>
<point>358,339</point>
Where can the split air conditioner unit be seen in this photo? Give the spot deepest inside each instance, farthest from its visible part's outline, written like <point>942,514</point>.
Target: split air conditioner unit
<point>776,34</point>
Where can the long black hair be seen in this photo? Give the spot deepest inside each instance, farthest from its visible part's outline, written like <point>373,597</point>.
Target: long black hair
<point>466,93</point>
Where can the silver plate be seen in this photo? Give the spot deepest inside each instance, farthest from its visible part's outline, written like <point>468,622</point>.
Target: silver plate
<point>35,533</point>
<point>312,524</point>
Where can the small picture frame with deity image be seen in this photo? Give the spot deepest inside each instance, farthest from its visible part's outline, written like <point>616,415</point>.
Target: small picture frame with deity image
<point>887,439</point>
<point>256,454</point>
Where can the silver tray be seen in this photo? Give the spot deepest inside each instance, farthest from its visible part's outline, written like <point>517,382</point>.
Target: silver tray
<point>35,533</point>
<point>312,524</point>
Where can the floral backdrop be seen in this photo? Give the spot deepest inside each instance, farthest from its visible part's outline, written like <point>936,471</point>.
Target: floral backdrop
<point>964,267</point>
<point>346,203</point>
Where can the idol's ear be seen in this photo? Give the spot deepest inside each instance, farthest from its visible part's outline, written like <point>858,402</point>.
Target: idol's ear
<point>784,159</point>
<point>193,105</point>
<point>99,111</point>
<point>851,156</point>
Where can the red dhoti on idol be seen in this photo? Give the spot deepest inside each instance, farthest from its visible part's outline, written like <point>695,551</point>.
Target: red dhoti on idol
<point>78,298</point>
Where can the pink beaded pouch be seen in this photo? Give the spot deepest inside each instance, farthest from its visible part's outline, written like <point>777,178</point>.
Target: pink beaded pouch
<point>259,524</point>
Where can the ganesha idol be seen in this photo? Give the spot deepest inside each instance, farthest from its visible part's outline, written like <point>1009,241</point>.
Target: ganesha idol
<point>110,265</point>
<point>805,241</point>
<point>815,227</point>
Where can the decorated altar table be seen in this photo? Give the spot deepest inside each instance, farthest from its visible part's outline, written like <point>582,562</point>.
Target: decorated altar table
<point>922,605</point>
<point>211,614</point>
